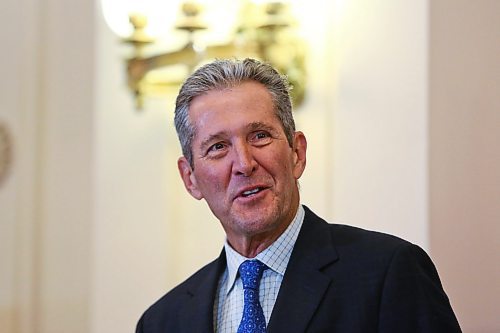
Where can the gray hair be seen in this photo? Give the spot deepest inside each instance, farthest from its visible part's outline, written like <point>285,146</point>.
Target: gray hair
<point>222,74</point>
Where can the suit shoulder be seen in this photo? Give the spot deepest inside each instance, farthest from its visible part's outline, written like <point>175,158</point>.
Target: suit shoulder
<point>350,242</point>
<point>346,234</point>
<point>171,304</point>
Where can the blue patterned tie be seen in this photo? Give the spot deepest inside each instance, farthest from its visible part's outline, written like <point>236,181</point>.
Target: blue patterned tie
<point>253,320</point>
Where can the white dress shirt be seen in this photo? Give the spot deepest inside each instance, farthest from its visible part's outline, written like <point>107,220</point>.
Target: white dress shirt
<point>228,306</point>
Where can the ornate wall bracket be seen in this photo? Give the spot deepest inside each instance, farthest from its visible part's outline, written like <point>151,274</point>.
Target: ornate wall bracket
<point>264,32</point>
<point>5,152</point>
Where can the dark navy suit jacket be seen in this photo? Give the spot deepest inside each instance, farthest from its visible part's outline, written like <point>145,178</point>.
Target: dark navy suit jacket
<point>339,279</point>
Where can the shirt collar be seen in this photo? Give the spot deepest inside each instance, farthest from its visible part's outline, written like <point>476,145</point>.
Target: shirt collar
<point>276,256</point>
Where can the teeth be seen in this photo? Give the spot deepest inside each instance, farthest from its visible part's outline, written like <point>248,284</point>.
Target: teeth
<point>247,193</point>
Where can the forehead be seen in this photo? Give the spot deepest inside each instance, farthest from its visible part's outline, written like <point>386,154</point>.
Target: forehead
<point>232,108</point>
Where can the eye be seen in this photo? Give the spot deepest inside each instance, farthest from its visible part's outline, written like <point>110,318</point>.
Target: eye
<point>261,135</point>
<point>260,138</point>
<point>217,146</point>
<point>216,150</point>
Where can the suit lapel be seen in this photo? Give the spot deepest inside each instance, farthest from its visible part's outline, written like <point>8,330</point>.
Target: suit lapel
<point>304,284</point>
<point>300,293</point>
<point>199,316</point>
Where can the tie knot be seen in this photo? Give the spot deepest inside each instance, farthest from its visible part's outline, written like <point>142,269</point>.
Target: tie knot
<point>251,272</point>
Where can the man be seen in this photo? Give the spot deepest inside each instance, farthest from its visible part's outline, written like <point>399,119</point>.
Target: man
<point>282,269</point>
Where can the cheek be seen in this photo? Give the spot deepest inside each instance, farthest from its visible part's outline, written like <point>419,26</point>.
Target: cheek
<point>281,168</point>
<point>210,179</point>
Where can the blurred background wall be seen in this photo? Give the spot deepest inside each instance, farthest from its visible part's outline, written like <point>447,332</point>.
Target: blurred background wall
<point>403,123</point>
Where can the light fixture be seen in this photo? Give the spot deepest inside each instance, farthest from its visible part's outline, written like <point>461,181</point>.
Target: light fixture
<point>5,151</point>
<point>194,33</point>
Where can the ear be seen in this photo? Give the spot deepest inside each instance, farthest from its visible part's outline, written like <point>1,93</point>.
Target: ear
<point>299,154</point>
<point>188,178</point>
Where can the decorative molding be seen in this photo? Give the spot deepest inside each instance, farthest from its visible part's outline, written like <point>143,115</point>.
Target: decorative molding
<point>5,151</point>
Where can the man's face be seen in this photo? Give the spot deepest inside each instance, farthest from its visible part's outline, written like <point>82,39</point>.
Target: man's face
<point>243,165</point>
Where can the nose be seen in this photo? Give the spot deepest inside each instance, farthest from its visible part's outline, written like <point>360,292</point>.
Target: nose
<point>244,162</point>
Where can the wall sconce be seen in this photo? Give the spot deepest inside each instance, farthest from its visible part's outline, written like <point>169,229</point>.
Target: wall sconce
<point>5,151</point>
<point>261,29</point>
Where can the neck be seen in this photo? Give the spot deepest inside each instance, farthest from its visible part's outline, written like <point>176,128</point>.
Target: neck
<point>250,245</point>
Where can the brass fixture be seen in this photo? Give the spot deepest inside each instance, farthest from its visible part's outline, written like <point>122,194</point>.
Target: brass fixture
<point>5,151</point>
<point>265,31</point>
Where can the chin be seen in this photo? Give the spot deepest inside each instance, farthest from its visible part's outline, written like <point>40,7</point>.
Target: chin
<point>255,224</point>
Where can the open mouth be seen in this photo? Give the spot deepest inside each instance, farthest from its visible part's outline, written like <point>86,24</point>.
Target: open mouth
<point>251,192</point>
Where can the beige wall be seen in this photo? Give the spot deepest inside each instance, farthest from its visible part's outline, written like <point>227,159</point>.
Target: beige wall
<point>464,158</point>
<point>45,210</point>
<point>379,112</point>
<point>94,221</point>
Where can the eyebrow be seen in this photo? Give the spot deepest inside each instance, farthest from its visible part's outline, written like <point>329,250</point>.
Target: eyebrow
<point>258,125</point>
